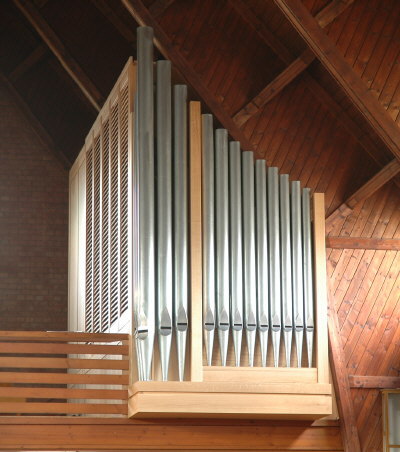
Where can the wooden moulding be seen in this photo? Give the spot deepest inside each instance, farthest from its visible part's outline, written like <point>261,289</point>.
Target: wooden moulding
<point>230,400</point>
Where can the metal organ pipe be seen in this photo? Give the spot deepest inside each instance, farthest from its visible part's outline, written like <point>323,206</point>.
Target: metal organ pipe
<point>208,205</point>
<point>180,224</point>
<point>308,286</point>
<point>222,240</point>
<point>262,259</point>
<point>164,215</point>
<point>286,265</point>
<point>274,260</point>
<point>256,237</point>
<point>236,256</point>
<point>145,296</point>
<point>249,253</point>
<point>297,267</point>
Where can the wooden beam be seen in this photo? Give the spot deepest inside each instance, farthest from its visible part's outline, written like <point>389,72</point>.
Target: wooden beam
<point>273,88</point>
<point>36,125</point>
<point>326,51</point>
<point>110,14</point>
<point>295,68</point>
<point>185,434</point>
<point>374,382</point>
<point>36,55</point>
<point>316,89</point>
<point>158,7</point>
<point>332,11</point>
<point>365,191</point>
<point>57,47</point>
<point>255,22</point>
<point>142,15</point>
<point>348,426</point>
<point>363,243</point>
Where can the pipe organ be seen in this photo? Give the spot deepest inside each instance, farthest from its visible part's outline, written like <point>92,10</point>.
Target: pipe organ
<point>219,251</point>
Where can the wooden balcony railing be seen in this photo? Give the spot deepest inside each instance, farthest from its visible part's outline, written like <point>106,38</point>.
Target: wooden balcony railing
<point>63,373</point>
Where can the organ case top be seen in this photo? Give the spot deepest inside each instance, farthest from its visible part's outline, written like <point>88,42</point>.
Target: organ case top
<point>215,263</point>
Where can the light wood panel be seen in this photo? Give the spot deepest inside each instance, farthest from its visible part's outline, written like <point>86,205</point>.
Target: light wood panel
<point>61,336</point>
<point>63,393</point>
<point>62,363</point>
<point>46,383</point>
<point>49,348</point>
<point>196,287</point>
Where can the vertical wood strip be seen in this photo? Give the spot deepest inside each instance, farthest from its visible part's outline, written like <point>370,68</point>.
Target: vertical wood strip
<point>133,373</point>
<point>320,288</point>
<point>196,359</point>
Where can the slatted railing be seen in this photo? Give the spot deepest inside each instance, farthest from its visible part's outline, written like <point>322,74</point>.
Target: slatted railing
<point>63,373</point>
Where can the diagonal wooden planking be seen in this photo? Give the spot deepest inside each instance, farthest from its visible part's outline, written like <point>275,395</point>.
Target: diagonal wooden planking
<point>351,442</point>
<point>295,68</point>
<point>341,71</point>
<point>143,16</point>
<point>57,47</point>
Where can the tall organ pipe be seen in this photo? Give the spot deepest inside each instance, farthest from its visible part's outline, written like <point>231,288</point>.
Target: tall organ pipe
<point>286,265</point>
<point>180,224</point>
<point>274,260</point>
<point>249,253</point>
<point>308,286</point>
<point>164,215</point>
<point>262,258</point>
<point>297,266</point>
<point>208,234</point>
<point>236,268</point>
<point>144,297</point>
<point>222,240</point>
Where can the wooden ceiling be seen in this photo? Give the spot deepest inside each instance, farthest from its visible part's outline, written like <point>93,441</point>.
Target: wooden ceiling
<point>312,86</point>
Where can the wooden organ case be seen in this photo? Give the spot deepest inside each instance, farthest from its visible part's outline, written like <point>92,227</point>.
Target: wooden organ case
<point>212,247</point>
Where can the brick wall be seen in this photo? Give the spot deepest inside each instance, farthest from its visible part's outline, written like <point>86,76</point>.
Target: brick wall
<point>33,227</point>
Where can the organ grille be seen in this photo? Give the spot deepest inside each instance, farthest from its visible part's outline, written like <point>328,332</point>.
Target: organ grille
<point>89,241</point>
<point>107,296</point>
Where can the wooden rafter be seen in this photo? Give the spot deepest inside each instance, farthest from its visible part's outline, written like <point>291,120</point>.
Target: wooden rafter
<point>273,88</point>
<point>36,55</point>
<point>316,89</point>
<point>325,50</point>
<point>348,426</point>
<point>109,13</point>
<point>295,68</point>
<point>387,173</point>
<point>142,15</point>
<point>363,243</point>
<point>57,47</point>
<point>374,382</point>
<point>36,126</point>
<point>254,21</point>
<point>332,11</point>
<point>158,7</point>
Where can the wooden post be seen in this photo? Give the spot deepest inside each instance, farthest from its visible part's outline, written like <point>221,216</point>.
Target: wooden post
<point>196,352</point>
<point>320,288</point>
